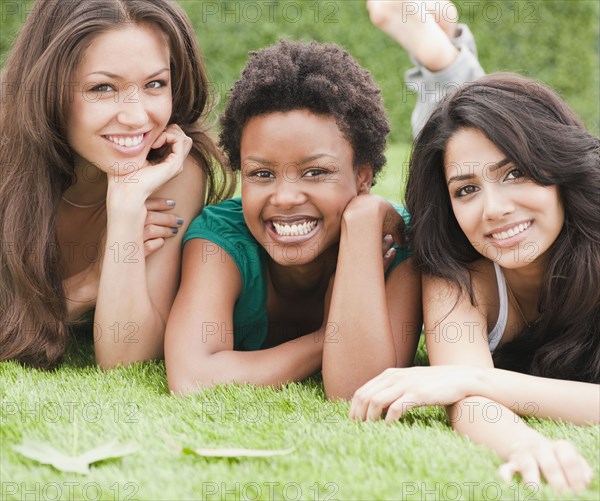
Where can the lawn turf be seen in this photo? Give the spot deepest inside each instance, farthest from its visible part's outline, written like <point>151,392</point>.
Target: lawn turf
<point>334,458</point>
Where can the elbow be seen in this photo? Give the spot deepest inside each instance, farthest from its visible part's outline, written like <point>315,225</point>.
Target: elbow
<point>334,391</point>
<point>183,385</point>
<point>112,360</point>
<point>180,387</point>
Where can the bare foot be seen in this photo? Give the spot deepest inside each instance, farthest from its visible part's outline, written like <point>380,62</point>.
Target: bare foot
<point>422,27</point>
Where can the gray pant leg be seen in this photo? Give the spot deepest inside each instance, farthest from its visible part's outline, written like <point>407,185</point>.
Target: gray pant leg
<point>431,87</point>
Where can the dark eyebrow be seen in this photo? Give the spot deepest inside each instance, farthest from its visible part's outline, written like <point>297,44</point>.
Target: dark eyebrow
<point>117,77</point>
<point>499,165</point>
<point>304,161</point>
<point>492,168</point>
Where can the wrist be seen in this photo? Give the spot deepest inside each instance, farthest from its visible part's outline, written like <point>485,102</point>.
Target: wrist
<point>365,209</point>
<point>477,381</point>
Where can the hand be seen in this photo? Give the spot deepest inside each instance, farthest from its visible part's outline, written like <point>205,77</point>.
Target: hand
<point>159,226</point>
<point>557,460</point>
<point>370,208</point>
<point>399,390</point>
<point>151,176</point>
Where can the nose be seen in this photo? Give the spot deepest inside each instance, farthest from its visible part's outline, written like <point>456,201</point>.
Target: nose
<point>132,111</point>
<point>496,202</point>
<point>288,191</point>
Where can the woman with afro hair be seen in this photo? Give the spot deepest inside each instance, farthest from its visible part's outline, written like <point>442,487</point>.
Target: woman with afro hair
<point>278,284</point>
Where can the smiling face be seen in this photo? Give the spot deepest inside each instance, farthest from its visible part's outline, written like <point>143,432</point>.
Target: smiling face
<point>121,100</point>
<point>297,178</point>
<point>506,216</point>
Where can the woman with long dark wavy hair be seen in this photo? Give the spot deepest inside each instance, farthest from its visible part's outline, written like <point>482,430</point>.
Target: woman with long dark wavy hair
<point>102,101</point>
<point>504,197</point>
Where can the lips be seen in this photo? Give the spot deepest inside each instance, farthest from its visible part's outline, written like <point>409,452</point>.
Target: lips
<point>298,228</point>
<point>128,143</point>
<point>510,231</point>
<point>292,230</point>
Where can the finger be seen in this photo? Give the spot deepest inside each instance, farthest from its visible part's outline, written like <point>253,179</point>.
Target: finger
<point>152,231</point>
<point>386,243</point>
<point>397,409</point>
<point>527,466</point>
<point>162,219</point>
<point>363,396</point>
<point>382,400</point>
<point>572,464</point>
<point>151,246</point>
<point>388,258</point>
<point>180,147</point>
<point>551,469</point>
<point>507,471</point>
<point>159,204</point>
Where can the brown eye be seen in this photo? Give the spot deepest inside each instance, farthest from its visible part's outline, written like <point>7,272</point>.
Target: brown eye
<point>466,190</point>
<point>514,174</point>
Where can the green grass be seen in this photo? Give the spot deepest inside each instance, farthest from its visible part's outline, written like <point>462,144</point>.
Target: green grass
<point>419,457</point>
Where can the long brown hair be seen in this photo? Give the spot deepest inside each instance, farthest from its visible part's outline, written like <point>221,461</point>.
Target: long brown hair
<point>37,163</point>
<point>541,135</point>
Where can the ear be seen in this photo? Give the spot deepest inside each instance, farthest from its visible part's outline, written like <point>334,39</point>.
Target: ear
<point>364,179</point>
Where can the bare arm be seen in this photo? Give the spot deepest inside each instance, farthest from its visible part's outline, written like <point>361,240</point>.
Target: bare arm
<point>135,293</point>
<point>462,376</point>
<point>199,338</point>
<point>365,341</point>
<point>525,450</point>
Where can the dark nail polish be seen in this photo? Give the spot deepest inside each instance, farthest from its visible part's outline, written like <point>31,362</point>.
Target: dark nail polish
<point>179,221</point>
<point>171,203</point>
<point>175,231</point>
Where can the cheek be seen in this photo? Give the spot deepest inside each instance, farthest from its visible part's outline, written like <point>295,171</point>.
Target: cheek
<point>166,109</point>
<point>465,217</point>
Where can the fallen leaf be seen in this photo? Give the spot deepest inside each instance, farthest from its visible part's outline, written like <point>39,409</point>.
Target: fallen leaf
<point>47,454</point>
<point>233,453</point>
<point>227,452</point>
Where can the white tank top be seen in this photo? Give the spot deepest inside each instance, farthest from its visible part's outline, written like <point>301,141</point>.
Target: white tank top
<point>497,332</point>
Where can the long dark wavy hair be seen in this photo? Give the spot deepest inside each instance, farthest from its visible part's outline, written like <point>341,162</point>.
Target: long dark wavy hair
<point>37,163</point>
<point>538,132</point>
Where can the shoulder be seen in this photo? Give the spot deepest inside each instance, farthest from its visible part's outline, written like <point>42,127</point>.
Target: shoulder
<point>443,292</point>
<point>187,189</point>
<point>223,225</point>
<point>225,219</point>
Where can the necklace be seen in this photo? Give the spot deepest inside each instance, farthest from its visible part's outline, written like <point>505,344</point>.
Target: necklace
<point>79,206</point>
<point>516,301</point>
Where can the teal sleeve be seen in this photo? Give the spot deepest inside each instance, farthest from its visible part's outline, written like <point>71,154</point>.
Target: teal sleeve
<point>402,253</point>
<point>224,229</point>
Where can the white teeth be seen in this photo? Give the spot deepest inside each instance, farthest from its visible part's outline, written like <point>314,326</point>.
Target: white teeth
<point>285,230</point>
<point>512,231</point>
<point>128,141</point>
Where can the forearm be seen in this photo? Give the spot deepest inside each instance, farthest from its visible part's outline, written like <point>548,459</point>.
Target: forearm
<point>81,293</point>
<point>528,395</point>
<point>488,423</point>
<point>291,361</point>
<point>359,345</point>
<point>127,326</point>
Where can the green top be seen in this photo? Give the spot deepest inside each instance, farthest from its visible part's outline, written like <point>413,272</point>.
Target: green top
<point>224,225</point>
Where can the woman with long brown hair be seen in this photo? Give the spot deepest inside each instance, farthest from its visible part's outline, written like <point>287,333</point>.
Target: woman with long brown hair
<point>504,197</point>
<point>102,133</point>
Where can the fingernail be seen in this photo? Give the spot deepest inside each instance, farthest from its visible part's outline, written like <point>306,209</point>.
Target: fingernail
<point>175,230</point>
<point>179,221</point>
<point>171,203</point>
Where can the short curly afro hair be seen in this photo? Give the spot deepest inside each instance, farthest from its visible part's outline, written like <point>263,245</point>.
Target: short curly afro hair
<point>322,78</point>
